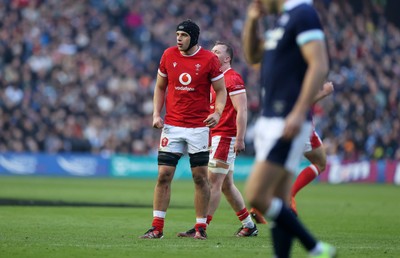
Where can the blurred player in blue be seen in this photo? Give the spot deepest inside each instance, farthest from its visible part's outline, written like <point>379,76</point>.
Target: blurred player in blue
<point>294,65</point>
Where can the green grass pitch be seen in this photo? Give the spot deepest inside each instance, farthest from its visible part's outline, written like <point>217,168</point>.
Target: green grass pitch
<point>360,220</point>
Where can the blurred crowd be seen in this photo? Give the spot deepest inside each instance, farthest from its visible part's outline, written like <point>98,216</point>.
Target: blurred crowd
<point>361,120</point>
<point>78,76</point>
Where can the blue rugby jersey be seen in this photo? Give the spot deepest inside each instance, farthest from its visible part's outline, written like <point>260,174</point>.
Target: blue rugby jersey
<point>283,67</point>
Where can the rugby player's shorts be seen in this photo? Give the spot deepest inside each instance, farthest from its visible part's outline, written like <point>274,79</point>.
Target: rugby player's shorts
<point>180,139</point>
<point>270,147</point>
<point>222,149</point>
<point>313,142</point>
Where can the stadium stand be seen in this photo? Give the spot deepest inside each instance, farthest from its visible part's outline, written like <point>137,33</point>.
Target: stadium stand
<point>78,76</point>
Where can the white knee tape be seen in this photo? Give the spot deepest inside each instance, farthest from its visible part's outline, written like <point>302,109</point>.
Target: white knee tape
<point>213,168</point>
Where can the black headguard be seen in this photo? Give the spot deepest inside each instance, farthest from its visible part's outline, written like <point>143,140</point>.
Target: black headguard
<point>192,29</point>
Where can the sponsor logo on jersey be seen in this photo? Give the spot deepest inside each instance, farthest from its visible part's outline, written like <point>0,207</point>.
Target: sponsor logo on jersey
<point>185,79</point>
<point>278,106</point>
<point>272,37</point>
<point>174,64</point>
<point>284,20</point>
<point>184,88</point>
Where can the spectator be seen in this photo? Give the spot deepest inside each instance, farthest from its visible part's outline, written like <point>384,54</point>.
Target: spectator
<point>93,62</point>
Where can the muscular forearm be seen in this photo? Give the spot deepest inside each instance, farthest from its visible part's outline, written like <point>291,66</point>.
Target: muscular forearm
<point>326,91</point>
<point>220,101</point>
<point>241,123</point>
<point>158,101</point>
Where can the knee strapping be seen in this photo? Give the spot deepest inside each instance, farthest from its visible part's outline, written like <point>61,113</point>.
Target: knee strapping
<point>199,159</point>
<point>214,168</point>
<point>168,158</point>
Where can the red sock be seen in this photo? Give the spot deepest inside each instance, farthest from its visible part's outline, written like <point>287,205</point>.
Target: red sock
<point>158,223</point>
<point>200,225</point>
<point>304,178</point>
<point>242,214</point>
<point>209,219</point>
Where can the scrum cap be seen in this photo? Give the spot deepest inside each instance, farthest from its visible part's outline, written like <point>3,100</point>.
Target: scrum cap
<point>192,29</point>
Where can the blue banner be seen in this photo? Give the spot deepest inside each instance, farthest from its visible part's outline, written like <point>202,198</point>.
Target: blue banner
<point>54,164</point>
<point>88,165</point>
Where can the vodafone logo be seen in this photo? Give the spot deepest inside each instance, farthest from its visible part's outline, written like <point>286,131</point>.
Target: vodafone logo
<point>185,79</point>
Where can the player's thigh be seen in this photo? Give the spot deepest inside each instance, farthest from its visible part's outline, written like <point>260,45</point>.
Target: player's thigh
<point>263,181</point>
<point>283,190</point>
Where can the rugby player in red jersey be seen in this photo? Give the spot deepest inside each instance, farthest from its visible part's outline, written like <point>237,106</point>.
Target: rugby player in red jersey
<point>314,151</point>
<point>228,141</point>
<point>183,82</point>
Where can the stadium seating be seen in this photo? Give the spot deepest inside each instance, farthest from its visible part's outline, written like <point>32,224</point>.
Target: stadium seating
<point>78,76</point>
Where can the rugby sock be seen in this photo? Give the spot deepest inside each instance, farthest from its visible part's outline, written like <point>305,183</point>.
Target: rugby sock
<point>304,178</point>
<point>245,218</point>
<point>158,220</point>
<point>201,223</point>
<point>209,219</point>
<point>282,241</point>
<point>288,222</point>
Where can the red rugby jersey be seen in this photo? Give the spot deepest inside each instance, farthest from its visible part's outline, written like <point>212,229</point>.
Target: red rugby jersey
<point>188,91</point>
<point>227,124</point>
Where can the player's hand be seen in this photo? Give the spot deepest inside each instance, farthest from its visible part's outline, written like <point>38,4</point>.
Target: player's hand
<point>255,10</point>
<point>293,124</point>
<point>212,120</point>
<point>158,122</point>
<point>239,146</point>
<point>328,87</point>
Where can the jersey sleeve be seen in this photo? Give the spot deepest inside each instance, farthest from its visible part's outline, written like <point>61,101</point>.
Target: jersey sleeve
<point>162,70</point>
<point>215,69</point>
<point>234,84</point>
<point>308,27</point>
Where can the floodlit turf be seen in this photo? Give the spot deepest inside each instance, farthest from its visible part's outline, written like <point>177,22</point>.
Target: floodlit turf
<point>361,220</point>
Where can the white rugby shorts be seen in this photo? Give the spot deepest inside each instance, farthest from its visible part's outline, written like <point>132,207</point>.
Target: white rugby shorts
<point>180,139</point>
<point>313,142</point>
<point>270,147</point>
<point>222,148</point>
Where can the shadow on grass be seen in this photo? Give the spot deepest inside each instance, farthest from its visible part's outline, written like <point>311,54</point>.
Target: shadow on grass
<point>59,203</point>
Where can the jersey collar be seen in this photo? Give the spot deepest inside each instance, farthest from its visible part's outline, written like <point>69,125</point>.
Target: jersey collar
<point>290,4</point>
<point>197,51</point>
<point>227,70</point>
